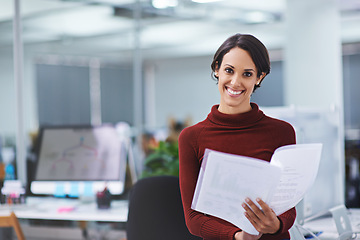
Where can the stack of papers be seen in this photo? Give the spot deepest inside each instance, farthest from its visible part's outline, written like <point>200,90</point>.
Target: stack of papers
<point>226,180</point>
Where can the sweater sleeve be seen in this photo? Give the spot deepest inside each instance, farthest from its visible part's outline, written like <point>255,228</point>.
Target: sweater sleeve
<point>287,220</point>
<point>199,224</point>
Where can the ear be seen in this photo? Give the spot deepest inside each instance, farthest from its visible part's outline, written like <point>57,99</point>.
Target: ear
<point>216,72</point>
<point>260,78</point>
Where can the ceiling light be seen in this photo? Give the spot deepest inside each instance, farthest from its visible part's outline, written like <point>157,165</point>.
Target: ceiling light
<point>164,3</point>
<point>206,1</point>
<point>257,17</point>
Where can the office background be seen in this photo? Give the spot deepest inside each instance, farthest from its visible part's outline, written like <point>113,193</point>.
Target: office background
<point>135,61</point>
<point>81,59</point>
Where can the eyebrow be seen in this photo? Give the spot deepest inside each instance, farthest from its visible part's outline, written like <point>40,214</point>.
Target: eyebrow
<point>229,65</point>
<point>247,70</point>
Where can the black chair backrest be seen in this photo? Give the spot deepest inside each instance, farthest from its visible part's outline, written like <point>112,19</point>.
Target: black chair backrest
<point>156,211</point>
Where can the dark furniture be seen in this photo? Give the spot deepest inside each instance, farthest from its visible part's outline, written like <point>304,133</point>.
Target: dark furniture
<point>155,210</point>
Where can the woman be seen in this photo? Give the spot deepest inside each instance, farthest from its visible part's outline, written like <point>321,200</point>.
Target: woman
<point>235,126</point>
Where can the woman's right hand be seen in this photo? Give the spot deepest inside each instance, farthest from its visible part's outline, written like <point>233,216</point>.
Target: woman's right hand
<point>245,236</point>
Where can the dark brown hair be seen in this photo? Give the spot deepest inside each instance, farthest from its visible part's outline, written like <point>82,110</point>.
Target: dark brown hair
<point>249,43</point>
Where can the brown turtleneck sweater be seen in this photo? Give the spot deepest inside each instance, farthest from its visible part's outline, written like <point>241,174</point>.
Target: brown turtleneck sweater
<point>250,134</point>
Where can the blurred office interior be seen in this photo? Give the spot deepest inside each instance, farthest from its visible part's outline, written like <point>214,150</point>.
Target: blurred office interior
<point>144,62</point>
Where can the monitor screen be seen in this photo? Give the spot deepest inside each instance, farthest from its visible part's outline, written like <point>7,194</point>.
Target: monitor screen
<point>79,156</point>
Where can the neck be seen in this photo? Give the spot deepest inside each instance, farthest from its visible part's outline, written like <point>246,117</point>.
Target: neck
<point>234,110</point>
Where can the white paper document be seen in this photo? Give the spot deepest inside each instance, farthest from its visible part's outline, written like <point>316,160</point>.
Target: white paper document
<point>225,180</point>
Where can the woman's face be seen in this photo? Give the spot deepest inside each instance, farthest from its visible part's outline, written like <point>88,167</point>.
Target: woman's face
<point>237,77</point>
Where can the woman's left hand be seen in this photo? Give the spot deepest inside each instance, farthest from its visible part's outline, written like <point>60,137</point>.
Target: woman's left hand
<point>264,220</point>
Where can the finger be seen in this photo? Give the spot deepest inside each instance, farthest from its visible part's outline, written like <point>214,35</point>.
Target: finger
<point>252,219</point>
<point>250,215</point>
<point>265,208</point>
<point>254,207</point>
<point>251,204</point>
<point>248,209</point>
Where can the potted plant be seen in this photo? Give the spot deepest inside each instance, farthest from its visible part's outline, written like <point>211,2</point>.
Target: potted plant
<point>164,160</point>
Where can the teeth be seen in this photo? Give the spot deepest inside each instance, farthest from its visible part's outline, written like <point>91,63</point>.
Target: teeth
<point>234,92</point>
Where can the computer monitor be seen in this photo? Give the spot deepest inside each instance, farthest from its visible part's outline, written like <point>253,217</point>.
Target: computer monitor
<point>79,160</point>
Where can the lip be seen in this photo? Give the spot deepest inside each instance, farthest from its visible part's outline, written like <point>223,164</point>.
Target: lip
<point>233,93</point>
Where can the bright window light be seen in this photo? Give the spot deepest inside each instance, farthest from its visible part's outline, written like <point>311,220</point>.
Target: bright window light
<point>164,3</point>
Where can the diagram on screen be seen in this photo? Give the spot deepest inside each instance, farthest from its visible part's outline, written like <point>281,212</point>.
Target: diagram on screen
<point>79,155</point>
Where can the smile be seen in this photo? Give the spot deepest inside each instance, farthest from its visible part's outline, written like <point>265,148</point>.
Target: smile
<point>232,92</point>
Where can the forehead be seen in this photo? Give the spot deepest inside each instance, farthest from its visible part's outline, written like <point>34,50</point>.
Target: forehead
<point>238,57</point>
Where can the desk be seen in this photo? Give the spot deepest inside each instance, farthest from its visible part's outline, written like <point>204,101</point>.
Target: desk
<point>327,226</point>
<point>50,208</point>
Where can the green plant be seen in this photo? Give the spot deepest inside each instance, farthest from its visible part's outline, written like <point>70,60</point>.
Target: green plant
<point>164,160</point>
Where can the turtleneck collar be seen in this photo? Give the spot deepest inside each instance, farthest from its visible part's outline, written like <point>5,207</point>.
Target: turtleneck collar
<point>236,120</point>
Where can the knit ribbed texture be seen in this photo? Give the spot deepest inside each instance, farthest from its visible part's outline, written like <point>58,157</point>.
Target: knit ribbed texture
<point>250,134</point>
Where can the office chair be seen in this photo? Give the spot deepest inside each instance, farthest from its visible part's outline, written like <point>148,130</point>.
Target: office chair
<point>12,221</point>
<point>156,211</point>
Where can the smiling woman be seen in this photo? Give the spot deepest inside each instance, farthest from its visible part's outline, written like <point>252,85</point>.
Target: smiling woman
<point>256,49</point>
<point>240,65</point>
<point>237,79</point>
<point>239,127</point>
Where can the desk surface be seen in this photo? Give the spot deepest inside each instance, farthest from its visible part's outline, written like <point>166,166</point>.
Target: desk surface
<point>50,208</point>
<point>327,225</point>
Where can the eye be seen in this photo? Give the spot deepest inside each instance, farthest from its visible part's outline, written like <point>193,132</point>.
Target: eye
<point>248,74</point>
<point>229,70</point>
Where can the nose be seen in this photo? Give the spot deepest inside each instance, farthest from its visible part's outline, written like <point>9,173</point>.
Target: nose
<point>236,80</point>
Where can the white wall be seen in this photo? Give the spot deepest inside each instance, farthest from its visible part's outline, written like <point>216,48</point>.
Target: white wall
<point>183,88</point>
